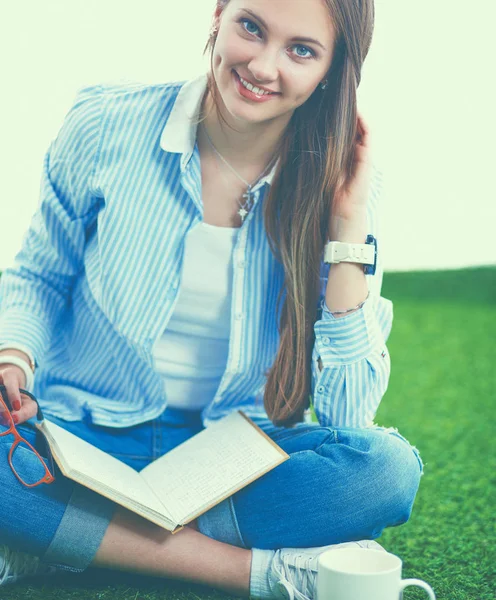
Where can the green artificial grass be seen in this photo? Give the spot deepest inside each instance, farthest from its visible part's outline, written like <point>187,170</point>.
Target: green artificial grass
<point>441,398</point>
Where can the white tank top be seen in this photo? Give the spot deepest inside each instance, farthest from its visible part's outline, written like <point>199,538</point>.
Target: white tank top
<point>191,354</point>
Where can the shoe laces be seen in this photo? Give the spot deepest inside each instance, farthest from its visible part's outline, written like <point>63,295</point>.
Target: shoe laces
<point>16,565</point>
<point>297,575</point>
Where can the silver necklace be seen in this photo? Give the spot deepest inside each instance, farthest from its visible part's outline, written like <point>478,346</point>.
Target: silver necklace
<point>248,195</point>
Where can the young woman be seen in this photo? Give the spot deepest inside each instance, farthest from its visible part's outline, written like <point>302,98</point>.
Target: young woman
<point>175,272</point>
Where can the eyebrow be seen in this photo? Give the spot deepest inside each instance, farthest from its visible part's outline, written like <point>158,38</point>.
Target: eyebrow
<point>295,39</point>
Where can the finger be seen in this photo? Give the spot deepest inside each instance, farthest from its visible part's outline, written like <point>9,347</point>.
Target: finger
<point>364,136</point>
<point>363,130</point>
<point>11,382</point>
<point>362,121</point>
<point>4,416</point>
<point>12,371</point>
<point>28,411</point>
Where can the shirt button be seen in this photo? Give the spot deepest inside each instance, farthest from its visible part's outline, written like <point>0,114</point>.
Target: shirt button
<point>242,264</point>
<point>320,389</point>
<point>326,340</point>
<point>239,316</point>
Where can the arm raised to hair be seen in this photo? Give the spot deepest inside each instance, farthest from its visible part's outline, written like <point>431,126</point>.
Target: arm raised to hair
<point>350,361</point>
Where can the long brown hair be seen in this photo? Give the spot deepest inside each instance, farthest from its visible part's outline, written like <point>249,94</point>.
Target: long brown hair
<point>317,148</point>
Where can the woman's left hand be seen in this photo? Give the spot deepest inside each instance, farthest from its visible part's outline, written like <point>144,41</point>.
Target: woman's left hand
<point>350,198</point>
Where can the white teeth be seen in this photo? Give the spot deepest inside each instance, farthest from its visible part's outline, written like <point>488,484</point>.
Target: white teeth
<point>253,89</point>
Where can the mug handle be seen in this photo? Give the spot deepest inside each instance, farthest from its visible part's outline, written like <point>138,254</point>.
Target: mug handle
<point>425,586</point>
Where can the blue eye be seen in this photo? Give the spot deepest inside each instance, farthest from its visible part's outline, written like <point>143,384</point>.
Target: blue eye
<point>312,53</point>
<point>242,21</point>
<point>250,23</point>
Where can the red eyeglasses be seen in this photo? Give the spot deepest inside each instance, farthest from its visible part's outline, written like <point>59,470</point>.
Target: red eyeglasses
<point>30,473</point>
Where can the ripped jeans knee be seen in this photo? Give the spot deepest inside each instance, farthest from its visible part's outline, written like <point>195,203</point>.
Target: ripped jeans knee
<point>394,431</point>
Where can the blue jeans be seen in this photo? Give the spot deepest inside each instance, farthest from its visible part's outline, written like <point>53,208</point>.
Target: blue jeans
<point>340,484</point>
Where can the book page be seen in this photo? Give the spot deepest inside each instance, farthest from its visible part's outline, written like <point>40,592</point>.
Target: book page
<point>211,464</point>
<point>79,455</point>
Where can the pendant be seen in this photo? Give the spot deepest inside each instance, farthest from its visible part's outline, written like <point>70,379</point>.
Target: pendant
<point>248,196</point>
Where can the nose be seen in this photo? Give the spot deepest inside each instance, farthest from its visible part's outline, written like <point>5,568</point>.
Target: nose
<point>263,66</point>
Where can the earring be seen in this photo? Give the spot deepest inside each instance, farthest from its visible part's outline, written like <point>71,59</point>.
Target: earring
<point>213,31</point>
<point>323,84</point>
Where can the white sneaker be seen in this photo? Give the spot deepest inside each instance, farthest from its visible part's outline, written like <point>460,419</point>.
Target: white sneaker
<point>16,565</point>
<point>293,571</point>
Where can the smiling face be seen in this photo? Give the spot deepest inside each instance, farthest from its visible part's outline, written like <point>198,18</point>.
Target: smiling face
<point>267,43</point>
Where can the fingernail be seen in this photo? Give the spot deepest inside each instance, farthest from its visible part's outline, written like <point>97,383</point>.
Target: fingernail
<point>15,418</point>
<point>17,405</point>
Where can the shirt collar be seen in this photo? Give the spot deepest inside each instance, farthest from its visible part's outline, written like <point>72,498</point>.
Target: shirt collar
<point>179,133</point>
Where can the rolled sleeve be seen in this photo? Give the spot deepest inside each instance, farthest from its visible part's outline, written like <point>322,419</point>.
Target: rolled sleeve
<point>345,340</point>
<point>356,365</point>
<point>24,329</point>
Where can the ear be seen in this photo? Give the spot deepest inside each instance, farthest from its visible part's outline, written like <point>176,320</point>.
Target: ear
<point>217,13</point>
<point>220,6</point>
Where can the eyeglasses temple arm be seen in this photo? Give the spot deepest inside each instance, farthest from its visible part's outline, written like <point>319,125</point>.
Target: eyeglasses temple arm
<point>39,412</point>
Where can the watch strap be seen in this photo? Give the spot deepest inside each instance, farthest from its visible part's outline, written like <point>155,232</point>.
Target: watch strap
<point>337,252</point>
<point>22,348</point>
<point>365,254</point>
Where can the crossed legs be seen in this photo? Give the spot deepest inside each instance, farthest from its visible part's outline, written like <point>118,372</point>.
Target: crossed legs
<point>132,543</point>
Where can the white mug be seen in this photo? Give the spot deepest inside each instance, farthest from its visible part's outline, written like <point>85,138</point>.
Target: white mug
<point>362,574</point>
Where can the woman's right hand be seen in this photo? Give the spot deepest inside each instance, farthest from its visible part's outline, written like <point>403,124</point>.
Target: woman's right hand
<point>13,378</point>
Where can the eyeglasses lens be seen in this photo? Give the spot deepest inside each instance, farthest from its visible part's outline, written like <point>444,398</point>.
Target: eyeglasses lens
<point>27,465</point>
<point>25,462</point>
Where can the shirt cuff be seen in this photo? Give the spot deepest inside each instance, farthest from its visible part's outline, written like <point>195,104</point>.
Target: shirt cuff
<point>21,329</point>
<point>349,339</point>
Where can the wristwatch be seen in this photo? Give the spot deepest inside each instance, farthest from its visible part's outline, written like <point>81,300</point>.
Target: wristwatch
<point>365,254</point>
<point>32,361</point>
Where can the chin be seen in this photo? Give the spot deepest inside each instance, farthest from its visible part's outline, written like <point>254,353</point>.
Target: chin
<point>249,116</point>
<point>241,111</point>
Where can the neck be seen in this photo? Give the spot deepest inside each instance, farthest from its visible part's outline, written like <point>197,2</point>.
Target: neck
<point>242,143</point>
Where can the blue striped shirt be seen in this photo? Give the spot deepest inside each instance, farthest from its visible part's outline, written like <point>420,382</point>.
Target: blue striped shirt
<point>96,279</point>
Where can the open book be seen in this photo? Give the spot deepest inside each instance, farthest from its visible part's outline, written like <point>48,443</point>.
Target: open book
<point>183,483</point>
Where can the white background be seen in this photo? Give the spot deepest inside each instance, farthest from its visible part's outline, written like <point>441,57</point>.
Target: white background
<point>427,92</point>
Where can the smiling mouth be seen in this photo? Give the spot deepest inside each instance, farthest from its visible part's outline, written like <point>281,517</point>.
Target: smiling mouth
<point>252,88</point>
